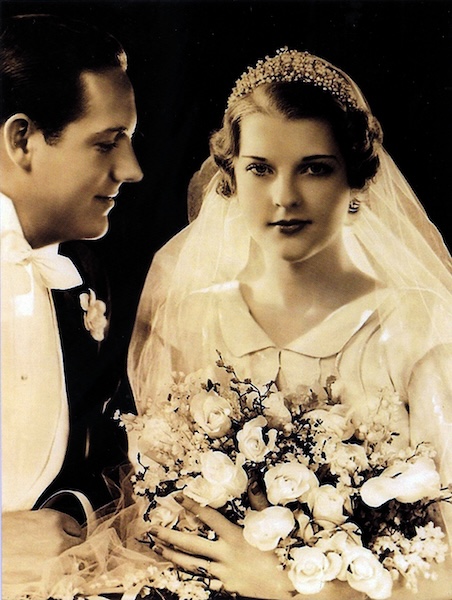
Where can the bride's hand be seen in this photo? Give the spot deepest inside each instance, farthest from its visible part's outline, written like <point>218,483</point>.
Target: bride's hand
<point>240,567</point>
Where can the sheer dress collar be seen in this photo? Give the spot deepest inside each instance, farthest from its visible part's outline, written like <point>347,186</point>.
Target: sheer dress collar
<point>243,335</point>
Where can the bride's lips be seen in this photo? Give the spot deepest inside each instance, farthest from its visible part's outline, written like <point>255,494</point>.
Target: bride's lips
<point>290,226</point>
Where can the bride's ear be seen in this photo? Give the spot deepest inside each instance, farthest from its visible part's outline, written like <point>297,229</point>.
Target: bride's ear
<point>17,131</point>
<point>357,197</point>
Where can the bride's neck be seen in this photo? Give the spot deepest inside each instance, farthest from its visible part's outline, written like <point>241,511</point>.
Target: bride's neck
<point>328,275</point>
<point>289,299</point>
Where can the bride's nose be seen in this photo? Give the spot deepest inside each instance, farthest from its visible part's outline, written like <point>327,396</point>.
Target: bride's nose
<point>285,193</point>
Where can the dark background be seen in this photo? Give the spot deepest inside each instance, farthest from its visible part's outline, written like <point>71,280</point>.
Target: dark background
<point>184,57</point>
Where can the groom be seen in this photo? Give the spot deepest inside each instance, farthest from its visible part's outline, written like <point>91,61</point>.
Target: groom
<point>68,116</point>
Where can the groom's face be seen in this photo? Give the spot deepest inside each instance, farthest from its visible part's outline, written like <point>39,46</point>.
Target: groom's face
<point>78,177</point>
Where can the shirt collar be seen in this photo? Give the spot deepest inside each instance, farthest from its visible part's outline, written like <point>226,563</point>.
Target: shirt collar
<point>9,221</point>
<point>58,272</point>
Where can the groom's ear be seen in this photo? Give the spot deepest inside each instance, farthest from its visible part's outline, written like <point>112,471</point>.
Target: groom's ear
<point>17,131</point>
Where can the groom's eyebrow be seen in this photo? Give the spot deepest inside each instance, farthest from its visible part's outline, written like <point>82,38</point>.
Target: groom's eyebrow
<point>116,131</point>
<point>119,129</point>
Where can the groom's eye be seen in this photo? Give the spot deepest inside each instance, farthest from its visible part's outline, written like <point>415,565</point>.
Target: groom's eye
<point>106,147</point>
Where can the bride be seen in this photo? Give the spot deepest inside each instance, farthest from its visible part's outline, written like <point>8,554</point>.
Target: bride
<point>310,257</point>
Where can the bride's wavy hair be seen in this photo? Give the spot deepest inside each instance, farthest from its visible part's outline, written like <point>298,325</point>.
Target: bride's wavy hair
<point>356,130</point>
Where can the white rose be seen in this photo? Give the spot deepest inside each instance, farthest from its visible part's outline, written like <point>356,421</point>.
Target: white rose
<point>167,511</point>
<point>351,458</point>
<point>288,482</point>
<point>305,530</point>
<point>157,441</point>
<point>336,420</point>
<point>340,542</point>
<point>263,529</point>
<point>366,574</point>
<point>220,480</point>
<point>310,568</point>
<point>404,481</point>
<point>211,412</point>
<point>219,469</point>
<point>276,411</point>
<point>206,493</point>
<point>251,441</point>
<point>327,506</point>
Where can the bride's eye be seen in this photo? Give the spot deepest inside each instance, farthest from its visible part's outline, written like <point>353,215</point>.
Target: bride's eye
<point>259,169</point>
<point>317,169</point>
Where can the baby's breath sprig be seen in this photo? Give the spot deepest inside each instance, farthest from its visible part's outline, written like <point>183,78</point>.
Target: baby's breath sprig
<point>238,384</point>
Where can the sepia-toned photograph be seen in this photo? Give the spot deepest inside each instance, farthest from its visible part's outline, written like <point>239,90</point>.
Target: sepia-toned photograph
<point>226,299</point>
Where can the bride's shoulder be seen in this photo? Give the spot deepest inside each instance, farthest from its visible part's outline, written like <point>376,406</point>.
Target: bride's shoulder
<point>202,306</point>
<point>414,301</point>
<point>227,290</point>
<point>416,314</point>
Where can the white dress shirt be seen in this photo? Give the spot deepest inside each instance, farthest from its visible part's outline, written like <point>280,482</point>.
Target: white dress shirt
<point>35,420</point>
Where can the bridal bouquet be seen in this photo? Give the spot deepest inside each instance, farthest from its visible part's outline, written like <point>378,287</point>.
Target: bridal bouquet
<point>345,501</point>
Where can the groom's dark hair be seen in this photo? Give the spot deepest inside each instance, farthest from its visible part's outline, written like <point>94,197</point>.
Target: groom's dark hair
<point>41,60</point>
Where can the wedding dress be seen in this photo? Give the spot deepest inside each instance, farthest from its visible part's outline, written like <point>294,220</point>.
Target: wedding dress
<point>398,337</point>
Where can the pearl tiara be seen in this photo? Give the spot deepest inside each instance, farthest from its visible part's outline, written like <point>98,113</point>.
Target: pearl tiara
<point>293,65</point>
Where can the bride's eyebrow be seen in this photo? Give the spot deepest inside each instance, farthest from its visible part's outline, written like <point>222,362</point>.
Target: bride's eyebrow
<point>319,156</point>
<point>260,158</point>
<point>304,159</point>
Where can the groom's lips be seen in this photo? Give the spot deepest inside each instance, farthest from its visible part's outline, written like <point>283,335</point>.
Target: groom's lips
<point>290,226</point>
<point>106,198</point>
<point>106,202</point>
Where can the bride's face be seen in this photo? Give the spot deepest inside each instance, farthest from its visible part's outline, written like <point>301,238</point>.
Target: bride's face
<point>291,185</point>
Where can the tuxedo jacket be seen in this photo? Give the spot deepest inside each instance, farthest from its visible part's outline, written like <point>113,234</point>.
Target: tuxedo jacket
<point>96,384</point>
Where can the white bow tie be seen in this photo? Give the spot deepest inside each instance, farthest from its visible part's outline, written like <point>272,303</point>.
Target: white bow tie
<point>57,272</point>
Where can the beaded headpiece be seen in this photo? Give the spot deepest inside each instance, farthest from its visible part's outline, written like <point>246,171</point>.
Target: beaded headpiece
<point>293,65</point>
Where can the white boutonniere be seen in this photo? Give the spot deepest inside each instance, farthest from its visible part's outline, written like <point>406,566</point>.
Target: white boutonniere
<point>94,318</point>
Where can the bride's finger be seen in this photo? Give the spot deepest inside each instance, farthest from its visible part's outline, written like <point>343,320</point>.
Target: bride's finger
<point>193,564</point>
<point>211,517</point>
<point>187,542</point>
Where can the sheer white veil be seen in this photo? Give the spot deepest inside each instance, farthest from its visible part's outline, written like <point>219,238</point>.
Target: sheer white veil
<point>390,237</point>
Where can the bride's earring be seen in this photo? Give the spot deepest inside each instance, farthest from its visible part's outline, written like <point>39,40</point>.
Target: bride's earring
<point>353,207</point>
